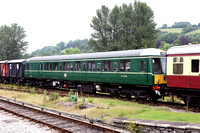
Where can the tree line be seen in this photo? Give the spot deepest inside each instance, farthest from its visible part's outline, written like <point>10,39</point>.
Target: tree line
<point>72,47</point>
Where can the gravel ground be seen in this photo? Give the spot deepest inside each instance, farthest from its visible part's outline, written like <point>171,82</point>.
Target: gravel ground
<point>10,123</point>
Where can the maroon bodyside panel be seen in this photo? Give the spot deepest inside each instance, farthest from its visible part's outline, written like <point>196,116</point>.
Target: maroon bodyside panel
<point>181,81</point>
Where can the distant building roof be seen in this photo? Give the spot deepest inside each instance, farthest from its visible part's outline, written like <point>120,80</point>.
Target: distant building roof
<point>112,54</point>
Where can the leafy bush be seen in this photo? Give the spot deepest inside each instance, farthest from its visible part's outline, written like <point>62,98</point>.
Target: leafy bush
<point>53,96</point>
<point>90,100</point>
<point>33,91</point>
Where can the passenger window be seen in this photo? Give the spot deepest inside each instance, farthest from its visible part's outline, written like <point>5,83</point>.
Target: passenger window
<point>64,66</point>
<point>195,65</point>
<point>84,66</point>
<point>91,66</point>
<point>99,66</point>
<point>71,66</point>
<point>60,66</point>
<point>27,67</point>
<point>77,66</point>
<point>50,66</point>
<point>174,59</point>
<point>157,66</point>
<point>181,59</point>
<point>47,66</point>
<point>55,66</point>
<point>125,65</point>
<point>115,66</point>
<point>142,66</point>
<point>106,65</point>
<point>178,65</point>
<point>68,66</point>
<point>177,68</point>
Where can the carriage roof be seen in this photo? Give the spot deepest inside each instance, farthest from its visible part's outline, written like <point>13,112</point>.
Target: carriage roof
<point>112,54</point>
<point>184,49</point>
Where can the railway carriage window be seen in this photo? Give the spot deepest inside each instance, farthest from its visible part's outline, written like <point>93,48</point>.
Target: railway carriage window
<point>115,66</point>
<point>60,66</point>
<point>178,65</point>
<point>99,66</point>
<point>91,66</point>
<point>27,67</point>
<point>47,66</point>
<point>142,66</point>
<point>71,66</point>
<point>77,66</point>
<point>174,59</point>
<point>68,66</point>
<point>125,65</point>
<point>84,66</point>
<point>106,65</point>
<point>177,68</point>
<point>55,66</point>
<point>157,65</point>
<point>195,65</point>
<point>50,66</point>
<point>181,59</point>
<point>17,66</point>
<point>64,66</point>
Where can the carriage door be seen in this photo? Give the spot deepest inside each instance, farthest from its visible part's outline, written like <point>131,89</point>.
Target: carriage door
<point>143,71</point>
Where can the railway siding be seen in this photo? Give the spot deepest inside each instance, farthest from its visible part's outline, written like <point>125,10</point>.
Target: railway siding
<point>55,119</point>
<point>147,126</point>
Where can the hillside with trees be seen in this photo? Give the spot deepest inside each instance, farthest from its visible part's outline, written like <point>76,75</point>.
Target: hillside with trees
<point>72,47</point>
<point>180,33</point>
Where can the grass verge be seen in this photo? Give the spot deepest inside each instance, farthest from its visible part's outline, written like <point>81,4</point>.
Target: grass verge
<point>106,108</point>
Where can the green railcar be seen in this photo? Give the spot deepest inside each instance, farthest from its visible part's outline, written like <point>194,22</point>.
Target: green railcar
<point>131,72</point>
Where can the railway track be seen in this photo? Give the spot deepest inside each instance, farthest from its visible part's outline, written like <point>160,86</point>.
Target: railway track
<point>54,119</point>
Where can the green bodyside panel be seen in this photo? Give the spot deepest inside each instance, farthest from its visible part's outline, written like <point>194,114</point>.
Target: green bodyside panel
<point>106,77</point>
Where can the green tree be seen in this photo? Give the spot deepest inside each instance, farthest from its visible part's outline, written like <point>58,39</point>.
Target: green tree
<point>101,25</point>
<point>181,24</point>
<point>170,37</point>
<point>72,51</point>
<point>12,42</point>
<point>126,27</point>
<point>164,26</point>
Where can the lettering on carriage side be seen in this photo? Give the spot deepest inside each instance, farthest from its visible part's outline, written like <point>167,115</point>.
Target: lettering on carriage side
<point>124,76</point>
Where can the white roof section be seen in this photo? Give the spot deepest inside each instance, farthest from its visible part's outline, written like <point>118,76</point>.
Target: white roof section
<point>112,54</point>
<point>4,61</point>
<point>17,61</point>
<point>184,49</point>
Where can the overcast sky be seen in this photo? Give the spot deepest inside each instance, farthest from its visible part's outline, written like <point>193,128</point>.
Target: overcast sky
<point>48,22</point>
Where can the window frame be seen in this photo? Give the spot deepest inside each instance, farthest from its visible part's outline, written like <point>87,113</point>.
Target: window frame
<point>196,68</point>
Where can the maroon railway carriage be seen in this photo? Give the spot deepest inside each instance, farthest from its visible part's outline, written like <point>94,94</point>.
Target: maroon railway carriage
<point>183,75</point>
